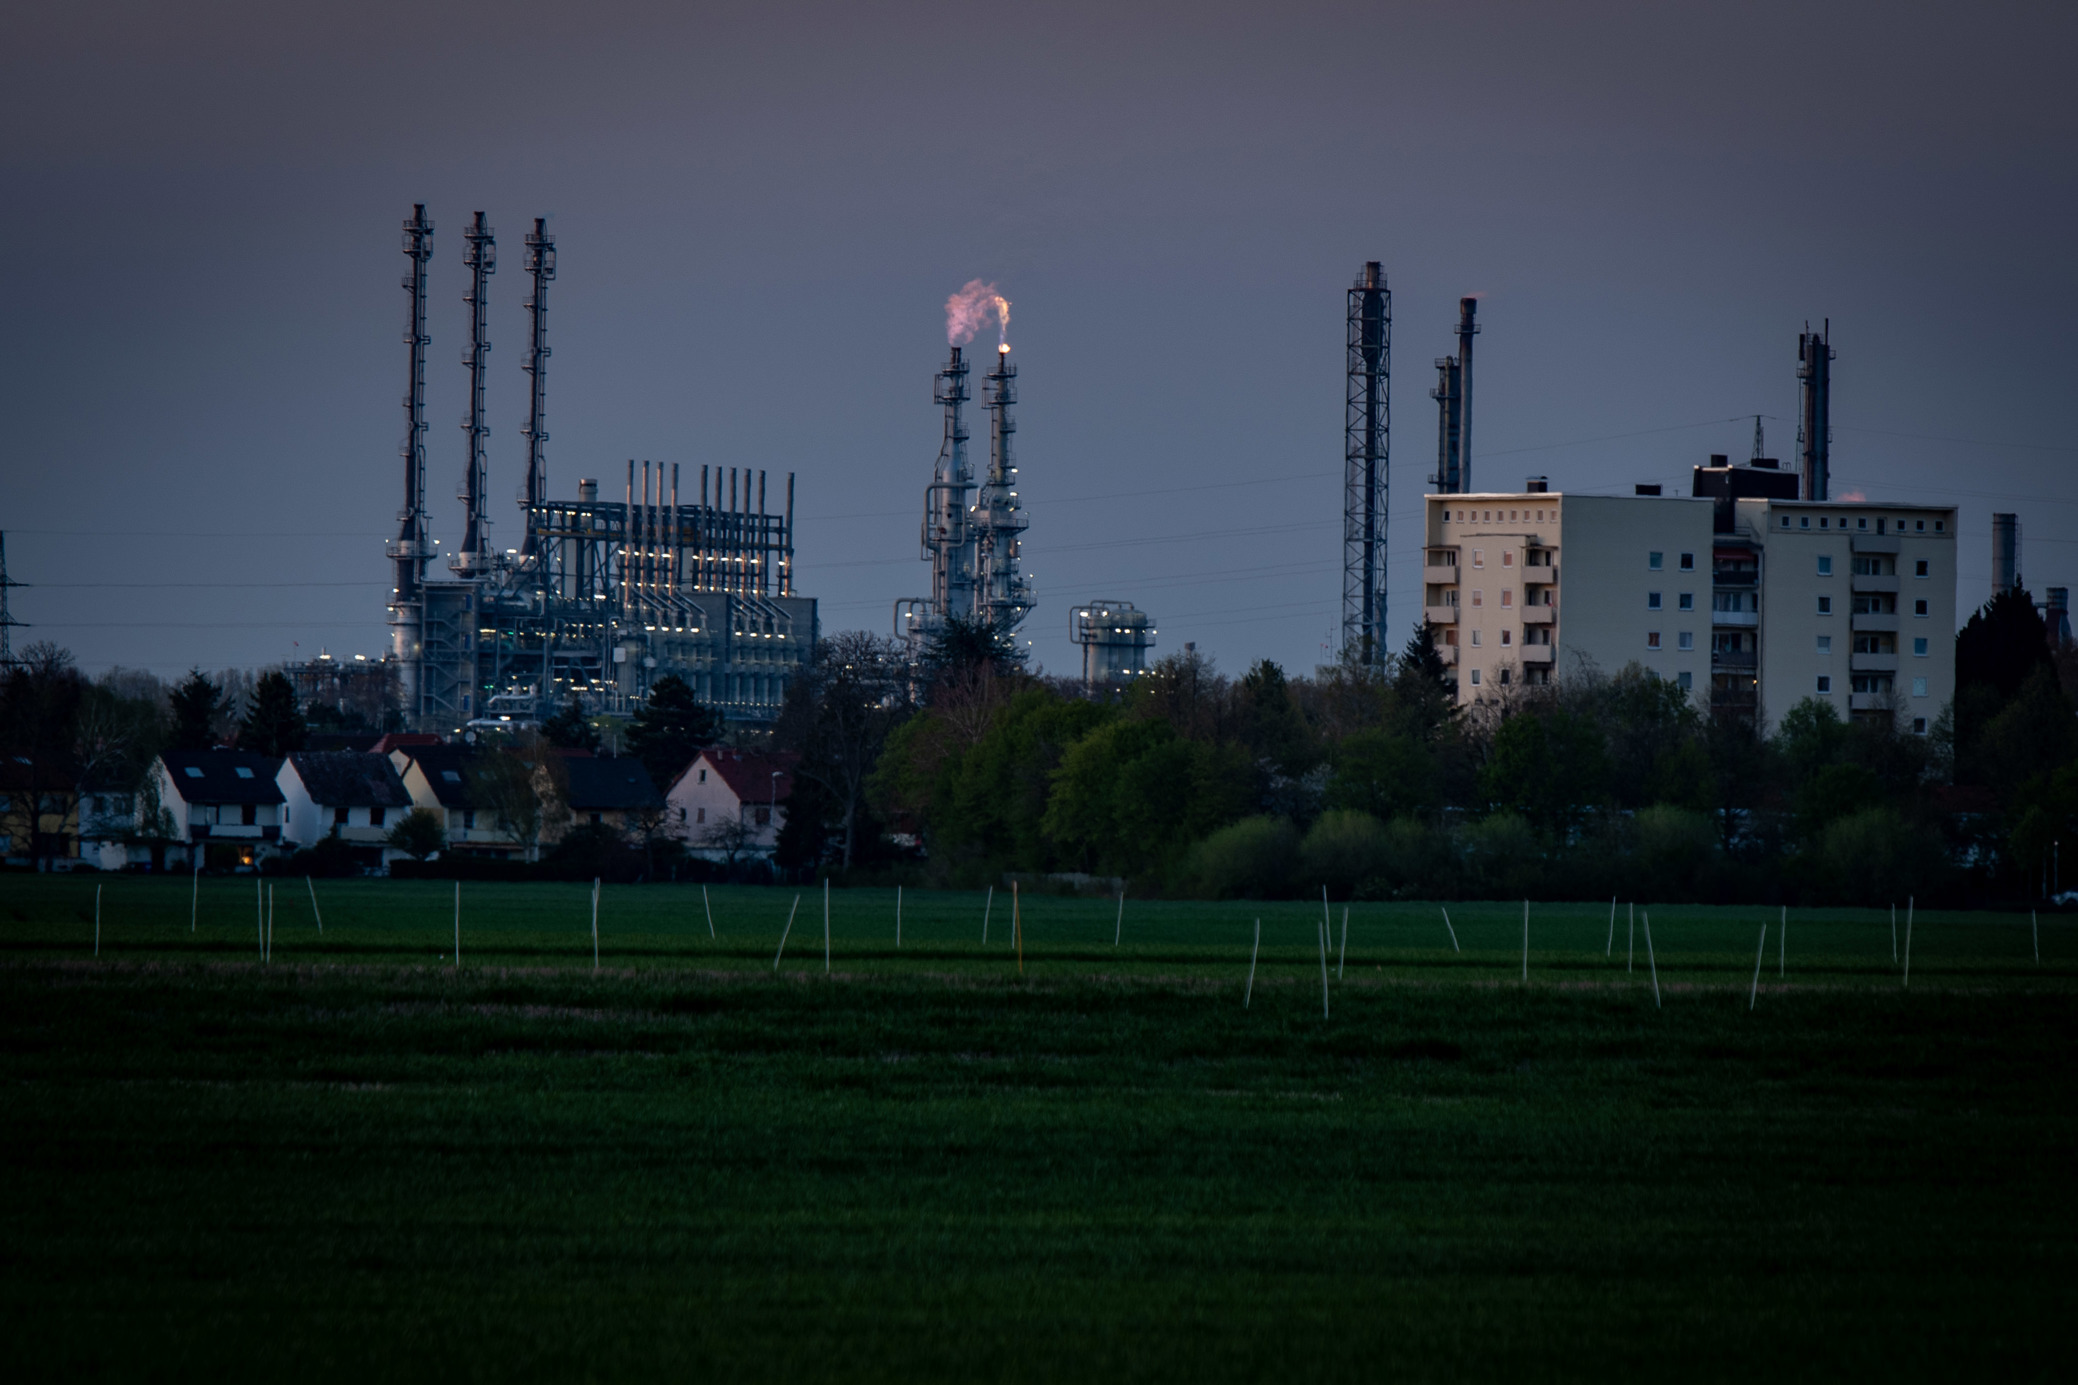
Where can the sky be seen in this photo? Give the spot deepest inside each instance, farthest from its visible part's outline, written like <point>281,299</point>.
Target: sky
<point>760,210</point>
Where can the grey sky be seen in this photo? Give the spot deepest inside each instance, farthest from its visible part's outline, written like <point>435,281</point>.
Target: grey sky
<point>760,210</point>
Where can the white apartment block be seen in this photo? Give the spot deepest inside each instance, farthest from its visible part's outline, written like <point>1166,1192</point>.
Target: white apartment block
<point>1752,603</point>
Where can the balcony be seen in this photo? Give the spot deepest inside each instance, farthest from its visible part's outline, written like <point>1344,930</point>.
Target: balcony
<point>1864,582</point>
<point>1442,615</point>
<point>1537,655</point>
<point>1745,579</point>
<point>1873,663</point>
<point>1868,702</point>
<point>1448,654</point>
<point>1539,615</point>
<point>1439,574</point>
<point>1870,543</point>
<point>1744,620</point>
<point>1874,623</point>
<point>1734,660</point>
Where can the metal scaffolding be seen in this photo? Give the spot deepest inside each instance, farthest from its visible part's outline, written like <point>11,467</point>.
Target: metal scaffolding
<point>1367,466</point>
<point>474,557</point>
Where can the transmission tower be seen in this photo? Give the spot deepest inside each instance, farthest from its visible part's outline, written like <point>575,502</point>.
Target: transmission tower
<point>8,623</point>
<point>1367,466</point>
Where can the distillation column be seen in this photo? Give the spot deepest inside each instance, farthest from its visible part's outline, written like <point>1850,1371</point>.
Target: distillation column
<point>410,549</point>
<point>474,558</point>
<point>1366,466</point>
<point>541,267</point>
<point>1002,594</point>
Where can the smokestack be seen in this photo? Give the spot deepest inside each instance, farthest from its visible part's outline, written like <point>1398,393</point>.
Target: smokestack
<point>541,264</point>
<point>409,550</point>
<point>1466,330</point>
<point>2005,553</point>
<point>1449,420</point>
<point>1815,428</point>
<point>1366,466</point>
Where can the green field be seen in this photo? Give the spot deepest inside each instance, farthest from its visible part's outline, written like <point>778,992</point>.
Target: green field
<point>358,1160</point>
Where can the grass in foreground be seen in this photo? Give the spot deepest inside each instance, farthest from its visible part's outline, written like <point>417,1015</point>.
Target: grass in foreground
<point>923,1168</point>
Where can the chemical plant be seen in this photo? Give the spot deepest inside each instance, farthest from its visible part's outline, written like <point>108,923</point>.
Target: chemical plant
<point>601,597</point>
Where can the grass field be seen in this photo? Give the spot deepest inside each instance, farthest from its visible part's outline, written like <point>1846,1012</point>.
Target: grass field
<point>360,1160</point>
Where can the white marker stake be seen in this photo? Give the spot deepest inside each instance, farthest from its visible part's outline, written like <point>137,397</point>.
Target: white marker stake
<point>1630,956</point>
<point>1249,994</point>
<point>1650,961</point>
<point>1893,932</point>
<point>1908,940</point>
<point>898,916</point>
<point>97,920</point>
<point>710,912</point>
<point>1754,994</point>
<point>826,925</point>
<point>783,936</point>
<point>270,923</point>
<point>1327,922</point>
<point>985,908</point>
<point>595,924</point>
<point>195,896</point>
<point>1526,941</point>
<point>1453,932</point>
<point>1118,929</point>
<point>1343,955</point>
<point>313,904</point>
<point>1323,966</point>
<point>2036,925</point>
<point>1610,950</point>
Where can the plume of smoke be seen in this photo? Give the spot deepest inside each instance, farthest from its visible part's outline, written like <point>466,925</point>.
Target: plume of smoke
<point>969,310</point>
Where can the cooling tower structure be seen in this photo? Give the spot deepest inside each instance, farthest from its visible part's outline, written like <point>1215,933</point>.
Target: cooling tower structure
<point>603,596</point>
<point>1115,639</point>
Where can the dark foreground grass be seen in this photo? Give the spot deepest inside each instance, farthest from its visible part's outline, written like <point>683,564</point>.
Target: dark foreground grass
<point>330,1168</point>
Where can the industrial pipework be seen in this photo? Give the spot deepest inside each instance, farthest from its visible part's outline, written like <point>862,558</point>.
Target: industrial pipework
<point>541,265</point>
<point>410,550</point>
<point>1002,593</point>
<point>1367,466</point>
<point>474,558</point>
<point>1815,428</point>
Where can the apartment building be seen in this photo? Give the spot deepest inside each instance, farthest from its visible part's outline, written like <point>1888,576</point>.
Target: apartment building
<point>1520,584</point>
<point>1741,592</point>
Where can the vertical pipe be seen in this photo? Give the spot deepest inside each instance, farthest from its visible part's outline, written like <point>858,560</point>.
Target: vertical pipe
<point>677,533</point>
<point>764,540</point>
<point>1466,330</point>
<point>786,572</point>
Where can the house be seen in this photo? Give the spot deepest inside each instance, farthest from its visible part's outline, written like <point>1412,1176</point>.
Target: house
<point>437,776</point>
<point>39,818</point>
<point>729,804</point>
<point>226,805</point>
<point>352,795</point>
<point>607,792</point>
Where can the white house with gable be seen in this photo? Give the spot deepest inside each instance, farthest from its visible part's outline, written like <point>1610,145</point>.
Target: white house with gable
<point>730,804</point>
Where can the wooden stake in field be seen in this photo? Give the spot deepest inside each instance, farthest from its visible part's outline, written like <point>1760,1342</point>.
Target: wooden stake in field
<point>826,925</point>
<point>1651,961</point>
<point>97,920</point>
<point>595,923</point>
<point>1453,932</point>
<point>1343,955</point>
<point>1526,942</point>
<point>1908,940</point>
<point>458,923</point>
<point>1017,929</point>
<point>898,916</point>
<point>1610,949</point>
<point>1249,994</point>
<point>1762,952</point>
<point>1118,929</point>
<point>783,935</point>
<point>710,911</point>
<point>313,904</point>
<point>1323,963</point>
<point>985,909</point>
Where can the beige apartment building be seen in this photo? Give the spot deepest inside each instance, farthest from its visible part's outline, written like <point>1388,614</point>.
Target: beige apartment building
<point>1748,603</point>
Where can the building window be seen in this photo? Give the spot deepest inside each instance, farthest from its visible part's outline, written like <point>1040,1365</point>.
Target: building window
<point>1919,646</point>
<point>1688,601</point>
<point>1825,605</point>
<point>1655,561</point>
<point>1504,677</point>
<point>1937,526</point>
<point>1919,525</point>
<point>703,815</point>
<point>1478,597</point>
<point>1825,644</point>
<point>1475,677</point>
<point>339,817</point>
<point>1507,638</point>
<point>375,816</point>
<point>1508,596</point>
<point>1652,639</point>
<point>703,776</point>
<point>1475,639</point>
<point>764,817</point>
<point>1803,521</point>
<point>1685,640</point>
<point>1507,557</point>
<point>1823,521</point>
<point>1861,523</point>
<point>1919,568</point>
<point>468,819</point>
<point>1825,565</point>
<point>1688,562</point>
<point>1919,607</point>
<point>250,816</point>
<point>1825,684</point>
<point>1478,557</point>
<point>1652,601</point>
<point>1685,680</point>
<point>1919,687</point>
<point>1919,726</point>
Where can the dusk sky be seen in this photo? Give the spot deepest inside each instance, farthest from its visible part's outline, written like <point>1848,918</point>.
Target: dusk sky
<point>760,210</point>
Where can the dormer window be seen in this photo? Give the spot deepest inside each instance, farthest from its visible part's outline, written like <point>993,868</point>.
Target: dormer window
<point>191,771</point>
<point>452,776</point>
<point>243,773</point>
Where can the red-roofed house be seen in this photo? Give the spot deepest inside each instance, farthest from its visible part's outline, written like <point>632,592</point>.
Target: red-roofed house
<point>730,804</point>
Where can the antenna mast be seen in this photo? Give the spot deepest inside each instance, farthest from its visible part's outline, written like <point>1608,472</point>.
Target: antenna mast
<point>1367,466</point>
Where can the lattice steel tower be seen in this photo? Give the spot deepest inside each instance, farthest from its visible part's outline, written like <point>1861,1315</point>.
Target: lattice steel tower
<point>409,551</point>
<point>541,265</point>
<point>474,558</point>
<point>8,624</point>
<point>1366,466</point>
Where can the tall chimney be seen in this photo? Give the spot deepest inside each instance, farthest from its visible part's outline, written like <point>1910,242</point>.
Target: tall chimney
<point>2005,553</point>
<point>1466,330</point>
<point>1815,428</point>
